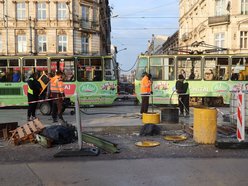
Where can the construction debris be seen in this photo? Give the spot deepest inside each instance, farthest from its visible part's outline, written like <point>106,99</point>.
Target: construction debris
<point>227,129</point>
<point>26,132</point>
<point>101,143</point>
<point>43,141</point>
<point>231,144</point>
<point>5,129</point>
<point>77,153</point>
<point>188,129</point>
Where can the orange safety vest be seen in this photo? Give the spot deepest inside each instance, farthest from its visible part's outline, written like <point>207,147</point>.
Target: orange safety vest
<point>57,85</point>
<point>145,87</point>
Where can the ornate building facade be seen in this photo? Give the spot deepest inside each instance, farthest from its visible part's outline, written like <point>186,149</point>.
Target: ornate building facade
<point>55,27</point>
<point>221,23</point>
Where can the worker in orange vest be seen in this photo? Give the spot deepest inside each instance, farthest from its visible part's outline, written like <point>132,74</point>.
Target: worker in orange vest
<point>57,93</point>
<point>145,91</point>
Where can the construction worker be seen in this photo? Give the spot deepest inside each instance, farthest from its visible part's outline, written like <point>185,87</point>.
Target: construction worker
<point>145,91</point>
<point>57,93</point>
<point>34,88</point>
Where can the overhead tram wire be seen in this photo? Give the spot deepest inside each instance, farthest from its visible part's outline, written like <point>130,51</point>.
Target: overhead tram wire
<point>156,17</point>
<point>147,17</point>
<point>148,9</point>
<point>130,68</point>
<point>145,28</point>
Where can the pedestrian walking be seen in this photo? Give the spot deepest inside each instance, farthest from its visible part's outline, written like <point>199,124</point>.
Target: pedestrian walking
<point>57,93</point>
<point>145,91</point>
<point>34,89</point>
<point>182,89</point>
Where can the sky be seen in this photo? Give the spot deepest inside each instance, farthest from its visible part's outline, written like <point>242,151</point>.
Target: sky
<point>134,21</point>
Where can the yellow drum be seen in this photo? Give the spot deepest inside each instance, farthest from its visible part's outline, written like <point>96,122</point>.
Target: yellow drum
<point>205,125</point>
<point>151,118</point>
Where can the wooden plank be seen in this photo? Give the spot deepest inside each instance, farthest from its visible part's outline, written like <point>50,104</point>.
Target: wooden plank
<point>5,134</point>
<point>32,126</point>
<point>38,124</point>
<point>27,129</point>
<point>13,134</point>
<point>20,132</point>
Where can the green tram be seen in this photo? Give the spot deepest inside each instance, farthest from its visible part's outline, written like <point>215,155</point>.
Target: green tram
<point>211,77</point>
<point>93,78</point>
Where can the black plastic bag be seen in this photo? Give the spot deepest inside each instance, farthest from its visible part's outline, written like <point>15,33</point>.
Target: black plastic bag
<point>60,134</point>
<point>150,130</point>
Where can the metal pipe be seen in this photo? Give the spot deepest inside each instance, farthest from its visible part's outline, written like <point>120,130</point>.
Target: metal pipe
<point>78,121</point>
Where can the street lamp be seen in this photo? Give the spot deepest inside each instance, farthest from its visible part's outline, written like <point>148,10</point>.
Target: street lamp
<point>120,50</point>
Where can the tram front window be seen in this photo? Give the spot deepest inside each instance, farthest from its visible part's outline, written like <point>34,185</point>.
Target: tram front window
<point>142,67</point>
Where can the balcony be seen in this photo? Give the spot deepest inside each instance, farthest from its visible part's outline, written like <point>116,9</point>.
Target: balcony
<point>219,20</point>
<point>88,25</point>
<point>89,1</point>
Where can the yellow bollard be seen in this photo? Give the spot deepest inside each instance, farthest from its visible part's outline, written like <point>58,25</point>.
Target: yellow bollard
<point>205,125</point>
<point>151,118</point>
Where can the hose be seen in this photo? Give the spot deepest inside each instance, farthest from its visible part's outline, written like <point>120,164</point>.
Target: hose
<point>171,97</point>
<point>100,113</point>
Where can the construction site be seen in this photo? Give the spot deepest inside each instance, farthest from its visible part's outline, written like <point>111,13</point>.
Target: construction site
<point>118,132</point>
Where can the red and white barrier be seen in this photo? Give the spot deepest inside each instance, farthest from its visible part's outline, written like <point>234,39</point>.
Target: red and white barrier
<point>241,117</point>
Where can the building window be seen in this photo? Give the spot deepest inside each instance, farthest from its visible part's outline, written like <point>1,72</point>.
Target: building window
<point>20,11</point>
<point>86,16</point>
<point>21,43</point>
<point>243,39</point>
<point>95,15</point>
<point>61,11</point>
<point>62,47</point>
<point>244,7</point>
<point>220,7</point>
<point>42,43</point>
<point>85,13</point>
<point>219,39</point>
<point>41,11</point>
<point>85,44</point>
